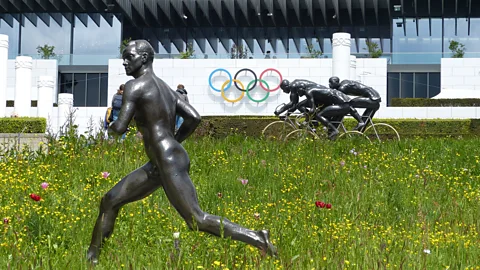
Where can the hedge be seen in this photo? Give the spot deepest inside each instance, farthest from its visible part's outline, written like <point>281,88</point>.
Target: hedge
<point>222,126</point>
<point>23,125</point>
<point>441,102</point>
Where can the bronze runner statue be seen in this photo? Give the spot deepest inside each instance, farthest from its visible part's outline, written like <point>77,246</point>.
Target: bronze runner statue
<point>155,105</point>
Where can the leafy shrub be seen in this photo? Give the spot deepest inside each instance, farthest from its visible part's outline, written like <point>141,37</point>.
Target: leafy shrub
<point>23,125</point>
<point>428,102</point>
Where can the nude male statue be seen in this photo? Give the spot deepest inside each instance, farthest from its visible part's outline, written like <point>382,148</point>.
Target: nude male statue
<point>291,88</point>
<point>367,97</point>
<point>155,105</point>
<point>335,105</point>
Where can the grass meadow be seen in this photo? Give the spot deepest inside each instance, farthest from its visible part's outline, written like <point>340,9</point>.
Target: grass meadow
<point>412,204</point>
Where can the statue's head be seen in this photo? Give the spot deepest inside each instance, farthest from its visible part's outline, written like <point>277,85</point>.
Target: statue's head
<point>137,55</point>
<point>334,82</point>
<point>285,85</point>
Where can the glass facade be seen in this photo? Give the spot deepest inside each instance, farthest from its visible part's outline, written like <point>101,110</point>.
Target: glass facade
<point>88,89</point>
<point>412,85</point>
<point>91,39</point>
<point>78,39</point>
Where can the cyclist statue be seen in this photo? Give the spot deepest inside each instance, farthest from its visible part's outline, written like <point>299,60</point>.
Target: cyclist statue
<point>367,97</point>
<point>291,88</point>
<point>335,105</point>
<point>154,105</point>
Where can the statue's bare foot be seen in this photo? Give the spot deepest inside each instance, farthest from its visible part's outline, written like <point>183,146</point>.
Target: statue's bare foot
<point>269,248</point>
<point>92,255</point>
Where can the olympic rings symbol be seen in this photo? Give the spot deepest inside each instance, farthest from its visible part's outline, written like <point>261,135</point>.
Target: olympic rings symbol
<point>240,86</point>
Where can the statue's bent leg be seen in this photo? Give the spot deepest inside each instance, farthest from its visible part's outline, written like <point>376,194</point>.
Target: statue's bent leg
<point>371,107</point>
<point>135,186</point>
<point>333,111</point>
<point>182,194</point>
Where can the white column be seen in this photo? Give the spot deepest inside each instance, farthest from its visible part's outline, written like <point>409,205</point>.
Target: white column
<point>65,107</point>
<point>3,73</point>
<point>353,67</point>
<point>341,55</point>
<point>23,85</point>
<point>45,86</point>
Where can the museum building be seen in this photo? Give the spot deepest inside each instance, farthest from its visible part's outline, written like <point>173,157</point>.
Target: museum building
<point>413,35</point>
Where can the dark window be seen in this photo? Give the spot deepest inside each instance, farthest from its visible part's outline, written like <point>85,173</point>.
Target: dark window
<point>103,89</point>
<point>393,86</point>
<point>406,85</point>
<point>66,83</point>
<point>79,89</point>
<point>412,85</point>
<point>93,89</point>
<point>421,85</point>
<point>89,89</point>
<point>433,84</point>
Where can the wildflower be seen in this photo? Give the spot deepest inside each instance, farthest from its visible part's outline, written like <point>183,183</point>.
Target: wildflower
<point>342,163</point>
<point>105,175</point>
<point>256,215</point>
<point>44,185</point>
<point>328,205</point>
<point>219,195</point>
<point>35,197</point>
<point>244,181</point>
<point>364,166</point>
<point>426,251</point>
<point>217,263</point>
<point>320,204</point>
<point>352,151</point>
<point>5,220</point>
<point>176,235</point>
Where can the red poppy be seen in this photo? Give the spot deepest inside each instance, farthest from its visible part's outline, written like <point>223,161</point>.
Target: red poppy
<point>320,204</point>
<point>328,206</point>
<point>35,197</point>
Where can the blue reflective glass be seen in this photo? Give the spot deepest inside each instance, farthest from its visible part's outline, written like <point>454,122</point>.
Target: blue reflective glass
<point>13,36</point>
<point>93,39</point>
<point>51,34</point>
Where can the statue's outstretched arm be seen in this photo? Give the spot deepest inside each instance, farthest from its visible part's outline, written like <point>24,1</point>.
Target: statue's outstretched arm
<point>126,112</point>
<point>191,119</point>
<point>311,102</point>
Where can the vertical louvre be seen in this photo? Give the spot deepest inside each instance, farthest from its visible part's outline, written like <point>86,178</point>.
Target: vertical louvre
<point>217,6</point>
<point>362,7</point>
<point>191,7</point>
<point>349,8</point>
<point>243,4</point>
<point>309,4</point>
<point>230,4</point>
<point>323,8</point>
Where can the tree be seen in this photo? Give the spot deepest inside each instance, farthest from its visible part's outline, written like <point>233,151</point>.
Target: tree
<point>238,52</point>
<point>46,52</point>
<point>188,52</point>
<point>457,48</point>
<point>123,45</point>
<point>373,50</point>
<point>312,52</point>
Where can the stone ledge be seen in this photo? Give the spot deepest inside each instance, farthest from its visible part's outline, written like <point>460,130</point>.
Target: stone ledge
<point>20,140</point>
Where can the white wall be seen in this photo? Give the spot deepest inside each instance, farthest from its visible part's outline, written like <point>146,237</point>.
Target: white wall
<point>458,76</point>
<point>194,74</point>
<point>39,68</point>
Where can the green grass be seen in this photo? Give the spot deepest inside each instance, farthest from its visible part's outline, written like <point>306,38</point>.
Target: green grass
<point>410,205</point>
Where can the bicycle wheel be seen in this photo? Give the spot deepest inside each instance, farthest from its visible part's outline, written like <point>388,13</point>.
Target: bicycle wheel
<point>277,130</point>
<point>301,134</point>
<point>381,132</point>
<point>353,136</point>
